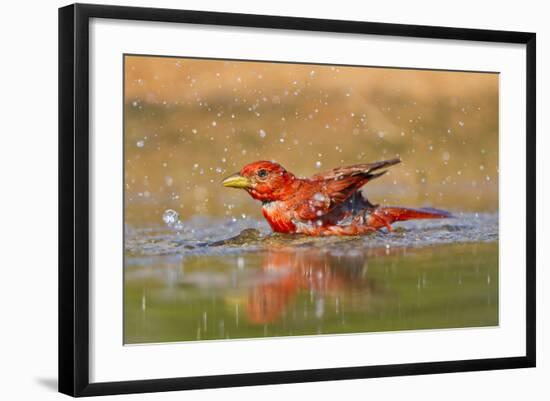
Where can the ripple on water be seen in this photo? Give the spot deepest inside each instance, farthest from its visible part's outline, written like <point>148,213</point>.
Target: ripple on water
<point>200,235</point>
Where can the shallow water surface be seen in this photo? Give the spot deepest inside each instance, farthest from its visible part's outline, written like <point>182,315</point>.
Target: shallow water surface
<point>206,279</point>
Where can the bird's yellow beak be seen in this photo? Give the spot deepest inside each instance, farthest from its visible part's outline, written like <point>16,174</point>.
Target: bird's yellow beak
<point>237,181</point>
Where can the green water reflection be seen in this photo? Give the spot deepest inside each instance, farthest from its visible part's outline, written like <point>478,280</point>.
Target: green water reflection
<point>305,291</point>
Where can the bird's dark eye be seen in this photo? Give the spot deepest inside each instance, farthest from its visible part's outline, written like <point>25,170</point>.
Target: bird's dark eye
<point>262,173</point>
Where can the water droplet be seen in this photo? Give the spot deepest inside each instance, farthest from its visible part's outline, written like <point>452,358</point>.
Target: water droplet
<point>319,197</point>
<point>318,164</point>
<point>262,133</point>
<point>170,217</point>
<point>140,143</point>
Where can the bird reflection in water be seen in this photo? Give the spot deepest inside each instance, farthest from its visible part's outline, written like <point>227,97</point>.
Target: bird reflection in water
<point>322,274</point>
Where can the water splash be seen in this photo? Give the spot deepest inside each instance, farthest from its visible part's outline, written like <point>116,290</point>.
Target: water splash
<point>170,217</point>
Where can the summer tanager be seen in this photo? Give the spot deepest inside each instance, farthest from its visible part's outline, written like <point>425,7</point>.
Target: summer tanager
<point>329,203</point>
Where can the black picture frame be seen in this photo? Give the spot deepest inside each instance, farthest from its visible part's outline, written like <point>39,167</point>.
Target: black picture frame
<point>74,198</point>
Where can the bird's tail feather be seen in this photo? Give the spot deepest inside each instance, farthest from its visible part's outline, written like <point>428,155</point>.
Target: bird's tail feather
<point>385,216</point>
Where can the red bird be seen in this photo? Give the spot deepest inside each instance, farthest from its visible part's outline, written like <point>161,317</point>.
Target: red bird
<point>329,203</point>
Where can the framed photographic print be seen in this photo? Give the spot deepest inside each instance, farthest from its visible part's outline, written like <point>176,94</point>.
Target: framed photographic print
<point>249,199</point>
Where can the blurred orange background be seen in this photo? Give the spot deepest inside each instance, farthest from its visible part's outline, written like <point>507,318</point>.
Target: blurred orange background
<point>191,122</point>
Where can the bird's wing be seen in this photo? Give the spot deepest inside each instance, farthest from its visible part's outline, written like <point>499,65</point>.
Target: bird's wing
<point>312,203</point>
<point>355,170</point>
<point>328,190</point>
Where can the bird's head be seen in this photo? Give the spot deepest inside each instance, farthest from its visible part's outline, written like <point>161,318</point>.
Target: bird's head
<point>263,180</point>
